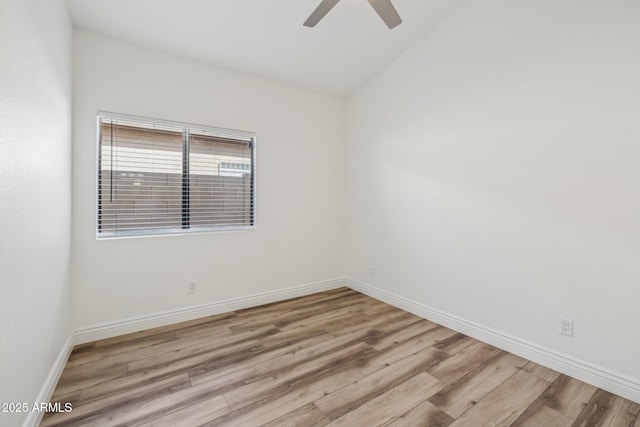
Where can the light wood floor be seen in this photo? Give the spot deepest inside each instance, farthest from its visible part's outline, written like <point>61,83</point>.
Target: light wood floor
<point>336,358</point>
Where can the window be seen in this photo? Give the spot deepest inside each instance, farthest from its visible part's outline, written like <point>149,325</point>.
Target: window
<point>161,177</point>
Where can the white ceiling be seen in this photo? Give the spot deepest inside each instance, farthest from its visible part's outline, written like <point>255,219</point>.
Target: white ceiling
<point>266,37</point>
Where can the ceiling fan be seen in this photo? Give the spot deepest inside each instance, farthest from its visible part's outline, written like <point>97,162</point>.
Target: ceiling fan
<point>384,8</point>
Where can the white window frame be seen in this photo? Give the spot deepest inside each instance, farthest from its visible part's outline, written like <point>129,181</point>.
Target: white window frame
<point>249,137</point>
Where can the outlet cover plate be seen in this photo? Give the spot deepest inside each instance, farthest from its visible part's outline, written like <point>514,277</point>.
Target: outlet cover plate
<point>566,326</point>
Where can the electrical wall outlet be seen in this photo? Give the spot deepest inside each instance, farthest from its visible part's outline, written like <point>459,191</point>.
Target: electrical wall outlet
<point>566,326</point>
<point>373,272</point>
<point>193,288</point>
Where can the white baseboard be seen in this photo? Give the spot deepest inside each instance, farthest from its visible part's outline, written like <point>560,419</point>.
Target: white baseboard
<point>135,324</point>
<point>34,418</point>
<point>613,382</point>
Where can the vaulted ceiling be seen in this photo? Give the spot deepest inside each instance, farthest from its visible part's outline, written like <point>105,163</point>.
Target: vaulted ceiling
<point>266,37</point>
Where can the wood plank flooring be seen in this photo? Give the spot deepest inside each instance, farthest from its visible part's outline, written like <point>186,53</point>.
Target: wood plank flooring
<point>336,358</point>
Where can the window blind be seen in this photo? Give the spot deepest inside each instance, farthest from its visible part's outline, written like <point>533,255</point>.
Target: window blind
<point>159,177</point>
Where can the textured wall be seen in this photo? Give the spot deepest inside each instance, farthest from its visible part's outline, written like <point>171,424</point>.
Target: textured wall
<point>493,174</point>
<point>299,185</point>
<point>35,195</point>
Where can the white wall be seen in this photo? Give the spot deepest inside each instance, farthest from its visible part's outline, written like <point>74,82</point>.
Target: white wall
<point>493,174</point>
<point>300,185</point>
<point>35,195</point>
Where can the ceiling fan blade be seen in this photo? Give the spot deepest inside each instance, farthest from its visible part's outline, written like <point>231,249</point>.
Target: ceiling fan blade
<point>387,12</point>
<point>323,8</point>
